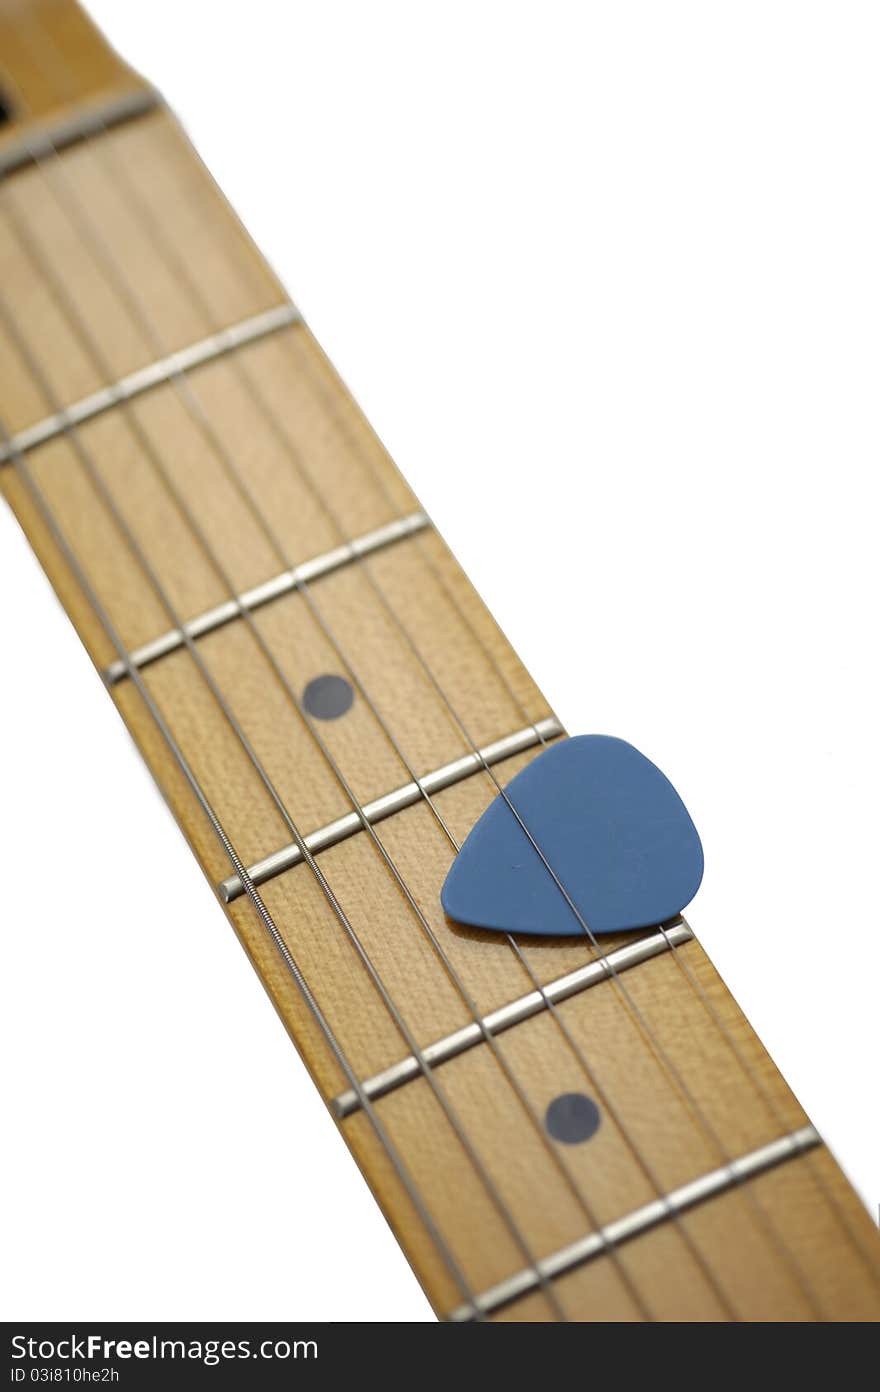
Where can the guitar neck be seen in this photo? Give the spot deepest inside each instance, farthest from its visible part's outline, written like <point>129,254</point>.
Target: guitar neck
<point>328,707</point>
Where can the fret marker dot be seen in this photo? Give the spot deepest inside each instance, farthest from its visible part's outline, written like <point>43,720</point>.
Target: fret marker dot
<point>572,1117</point>
<point>328,697</point>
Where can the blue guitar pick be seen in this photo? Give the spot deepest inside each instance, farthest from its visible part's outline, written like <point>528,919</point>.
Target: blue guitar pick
<point>610,825</point>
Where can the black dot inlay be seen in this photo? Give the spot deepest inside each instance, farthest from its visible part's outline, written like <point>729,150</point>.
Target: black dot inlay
<point>572,1117</point>
<point>328,697</point>
<point>5,110</point>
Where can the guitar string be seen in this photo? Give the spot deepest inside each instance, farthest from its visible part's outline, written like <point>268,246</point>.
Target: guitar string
<point>403,887</point>
<point>174,262</point>
<point>477,1018</point>
<point>399,879</point>
<point>71,434</point>
<point>638,1300</point>
<point>172,258</point>
<point>808,1159</point>
<point>269,532</point>
<point>527,968</point>
<point>23,472</point>
<point>579,1197</point>
<point>251,753</point>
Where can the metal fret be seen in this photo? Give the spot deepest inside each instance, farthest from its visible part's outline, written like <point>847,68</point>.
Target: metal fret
<point>285,583</point>
<point>642,1220</point>
<point>216,345</point>
<point>83,124</point>
<point>390,803</point>
<point>451,1045</point>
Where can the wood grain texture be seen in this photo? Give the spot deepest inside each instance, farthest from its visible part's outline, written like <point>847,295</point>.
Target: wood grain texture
<point>55,64</point>
<point>679,1095</point>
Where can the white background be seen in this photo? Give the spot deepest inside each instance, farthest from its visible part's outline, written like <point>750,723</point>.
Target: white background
<point>605,277</point>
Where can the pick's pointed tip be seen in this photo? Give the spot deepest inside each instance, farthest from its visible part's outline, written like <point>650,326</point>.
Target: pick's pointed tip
<point>447,896</point>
